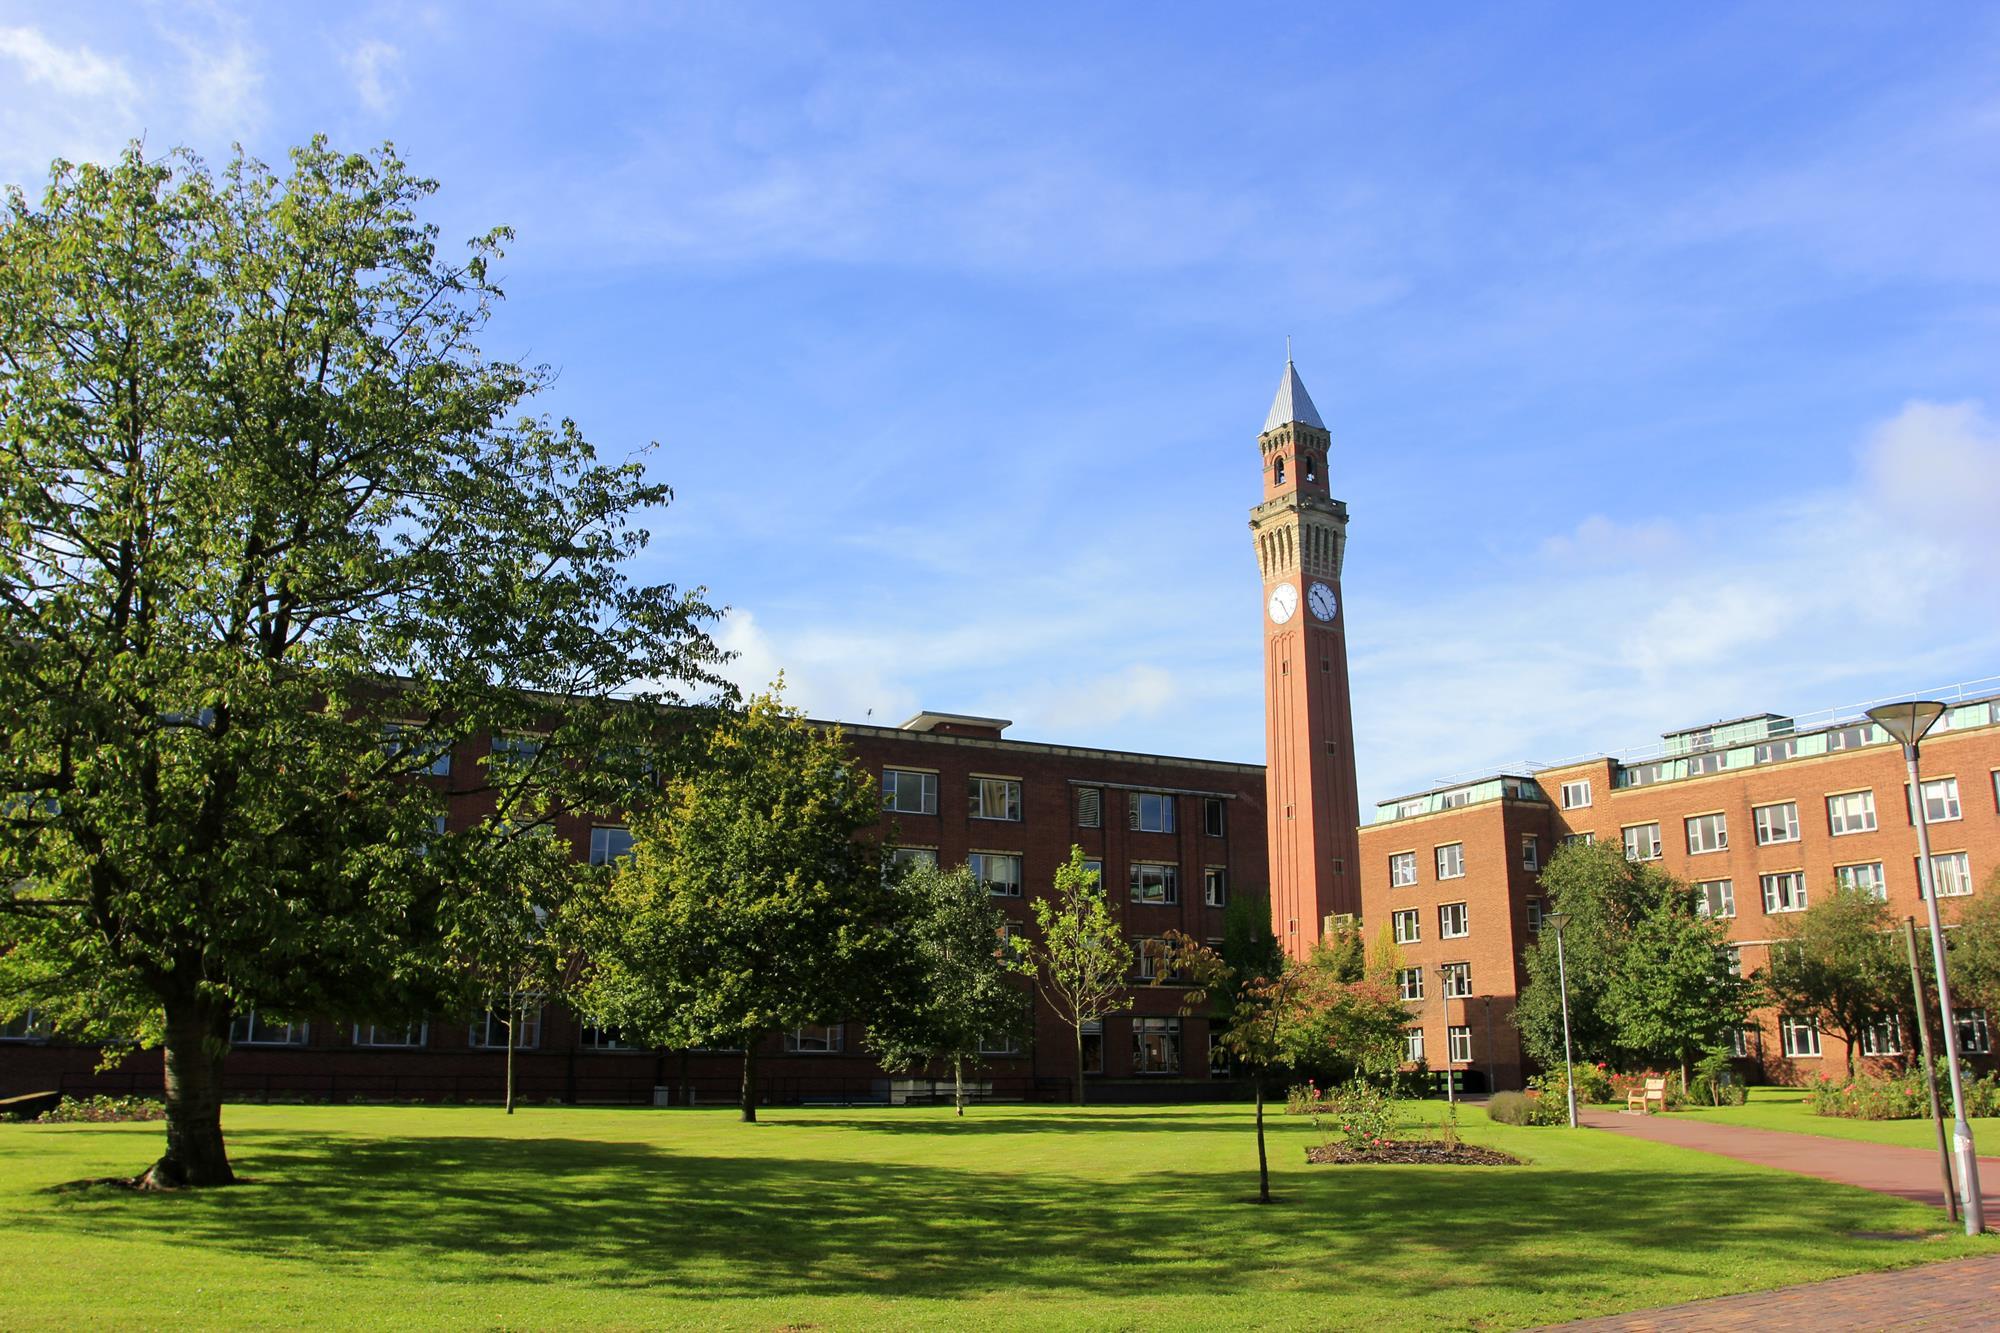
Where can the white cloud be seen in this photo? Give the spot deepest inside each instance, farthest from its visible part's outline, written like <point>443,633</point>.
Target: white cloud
<point>220,77</point>
<point>68,71</point>
<point>841,685</point>
<point>58,101</point>
<point>376,67</point>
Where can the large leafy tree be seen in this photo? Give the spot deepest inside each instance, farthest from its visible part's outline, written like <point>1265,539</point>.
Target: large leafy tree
<point>1674,994</point>
<point>1974,941</point>
<point>749,906</point>
<point>1077,955</point>
<point>265,502</point>
<point>956,990</point>
<point>1837,962</point>
<point>1602,894</point>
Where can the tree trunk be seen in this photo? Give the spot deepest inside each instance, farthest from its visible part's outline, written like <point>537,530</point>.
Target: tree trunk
<point>1078,1098</point>
<point>687,1080</point>
<point>958,1083</point>
<point>513,1017</point>
<point>195,1042</point>
<point>1263,1162</point>
<point>750,1081</point>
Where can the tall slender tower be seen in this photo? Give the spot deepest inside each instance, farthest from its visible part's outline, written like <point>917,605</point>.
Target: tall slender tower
<point>1301,534</point>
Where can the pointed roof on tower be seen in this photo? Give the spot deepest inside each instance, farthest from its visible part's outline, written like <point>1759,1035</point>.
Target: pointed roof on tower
<point>1293,403</point>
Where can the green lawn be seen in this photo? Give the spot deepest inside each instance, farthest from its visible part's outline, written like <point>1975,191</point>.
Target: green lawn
<point>1785,1108</point>
<point>1042,1217</point>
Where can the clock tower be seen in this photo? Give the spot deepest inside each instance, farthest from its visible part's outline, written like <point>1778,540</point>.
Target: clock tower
<point>1300,532</point>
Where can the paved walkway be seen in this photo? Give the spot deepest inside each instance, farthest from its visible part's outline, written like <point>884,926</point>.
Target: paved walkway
<point>1907,1173</point>
<point>1959,1293</point>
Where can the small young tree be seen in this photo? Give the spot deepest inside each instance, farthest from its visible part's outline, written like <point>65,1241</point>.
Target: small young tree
<point>1673,996</point>
<point>1077,957</point>
<point>1836,962</point>
<point>749,907</point>
<point>955,986</point>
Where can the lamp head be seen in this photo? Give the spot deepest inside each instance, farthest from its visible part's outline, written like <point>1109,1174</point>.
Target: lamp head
<point>1555,920</point>
<point>1907,722</point>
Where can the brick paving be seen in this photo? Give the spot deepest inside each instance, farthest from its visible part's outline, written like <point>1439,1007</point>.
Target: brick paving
<point>1959,1293</point>
<point>1907,1173</point>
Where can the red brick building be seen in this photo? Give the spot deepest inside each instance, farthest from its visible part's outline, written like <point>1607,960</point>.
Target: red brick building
<point>1760,812</point>
<point>1174,838</point>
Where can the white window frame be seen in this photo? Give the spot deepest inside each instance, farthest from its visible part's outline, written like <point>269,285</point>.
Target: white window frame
<point>1445,932</point>
<point>259,1034</point>
<point>1584,839</point>
<point>28,1025</point>
<point>1883,1037</point>
<point>1214,817</point>
<point>1948,802</point>
<point>1534,916</point>
<point>1450,860</point>
<point>1458,1044</point>
<point>900,857</point>
<point>1090,807</point>
<point>1169,877</point>
<point>1798,1037</point>
<point>1958,882</point>
<point>394,742</point>
<point>1410,984</point>
<point>1531,852</point>
<point>893,791</point>
<point>1851,812</point>
<point>1215,886</point>
<point>601,840</point>
<point>984,791</point>
<point>1001,1043</point>
<point>978,862</point>
<point>1413,918</point>
<point>1775,823</point>
<point>1715,898</point>
<point>1642,841</point>
<point>1975,1034</point>
<point>1457,981</point>
<point>816,1039</point>
<point>488,1030</point>
<point>1576,794</point>
<point>1413,1045</point>
<point>1875,885</point>
<point>1707,833</point>
<point>1774,883</point>
<point>371,1036</point>
<point>1402,869</point>
<point>1150,812</point>
<point>599,1037</point>
<point>1167,1032</point>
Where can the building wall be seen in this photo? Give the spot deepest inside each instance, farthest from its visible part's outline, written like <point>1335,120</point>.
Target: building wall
<point>562,1067</point>
<point>1497,889</point>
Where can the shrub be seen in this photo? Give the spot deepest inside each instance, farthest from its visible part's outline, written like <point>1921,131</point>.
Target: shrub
<point>1900,1097</point>
<point>102,1110</point>
<point>1358,1114</point>
<point>1594,1087</point>
<point>1510,1108</point>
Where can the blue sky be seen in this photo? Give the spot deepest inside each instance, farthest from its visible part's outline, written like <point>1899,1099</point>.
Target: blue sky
<point>1661,351</point>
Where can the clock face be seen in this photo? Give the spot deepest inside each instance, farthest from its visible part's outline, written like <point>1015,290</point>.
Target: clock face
<point>1320,598</point>
<point>1284,602</point>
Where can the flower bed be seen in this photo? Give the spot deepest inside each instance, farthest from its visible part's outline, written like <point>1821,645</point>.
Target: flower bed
<point>1421,1152</point>
<point>102,1110</point>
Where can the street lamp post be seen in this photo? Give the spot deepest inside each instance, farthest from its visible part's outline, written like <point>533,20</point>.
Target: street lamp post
<point>1908,722</point>
<point>1559,920</point>
<point>1444,1003</point>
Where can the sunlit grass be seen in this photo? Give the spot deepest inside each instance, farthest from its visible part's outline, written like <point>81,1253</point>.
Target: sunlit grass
<point>1785,1108</point>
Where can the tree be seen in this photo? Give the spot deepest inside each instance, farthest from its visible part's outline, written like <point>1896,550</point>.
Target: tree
<point>1343,1021</point>
<point>1674,995</point>
<point>1603,894</point>
<point>277,535</point>
<point>1077,957</point>
<point>1836,963</point>
<point>956,987</point>
<point>749,907</point>
<point>1974,944</point>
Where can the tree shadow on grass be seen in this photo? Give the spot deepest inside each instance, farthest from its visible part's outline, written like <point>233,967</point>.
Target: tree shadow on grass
<point>641,1216</point>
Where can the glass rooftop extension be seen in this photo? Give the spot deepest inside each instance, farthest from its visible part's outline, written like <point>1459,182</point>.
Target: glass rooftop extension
<point>1450,798</point>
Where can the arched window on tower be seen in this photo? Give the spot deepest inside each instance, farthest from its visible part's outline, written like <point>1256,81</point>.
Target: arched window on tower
<point>1311,474</point>
<point>1278,477</point>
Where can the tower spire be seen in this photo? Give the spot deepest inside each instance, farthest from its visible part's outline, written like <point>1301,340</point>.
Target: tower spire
<point>1293,403</point>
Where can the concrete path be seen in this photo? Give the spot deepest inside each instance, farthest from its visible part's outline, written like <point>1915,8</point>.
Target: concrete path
<point>1959,1293</point>
<point>1907,1173</point>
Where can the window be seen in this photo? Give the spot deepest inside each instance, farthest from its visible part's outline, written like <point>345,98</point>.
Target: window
<point>1152,883</point>
<point>1409,983</point>
<point>1451,860</point>
<point>1717,897</point>
<point>1212,819</point>
<point>1853,812</point>
<point>1578,839</point>
<point>908,792</point>
<point>608,843</point>
<point>1708,833</point>
<point>1452,921</point>
<point>431,757</point>
<point>489,1029</point>
<point>1221,1064</point>
<point>255,1029</point>
<point>1785,892</point>
<point>1531,852</point>
<point>902,858</point>
<point>1089,807</point>
<point>1883,1037</point>
<point>1642,842</point>
<point>1576,795</point>
<point>1459,1044</point>
<point>1215,886</point>
<point>515,749</point>
<point>1406,926</point>
<point>606,1037</point>
<point>1865,876</point>
<point>1150,812</point>
<point>1534,916</point>
<point>402,1036</point>
<point>1095,868</point>
<point>1801,1037</point>
<point>1156,1045</point>
<point>1413,1045</point>
<point>1093,1046</point>
<point>1147,950</point>
<point>1951,874</point>
<point>1000,1043</point>
<point>995,798</point>
<point>1457,981</point>
<point>1735,960</point>
<point>1739,1043</point>
<point>1940,801</point>
<point>1776,823</point>
<point>998,871</point>
<point>815,1039</point>
<point>1402,870</point>
<point>26,1026</point>
<point>1974,1036</point>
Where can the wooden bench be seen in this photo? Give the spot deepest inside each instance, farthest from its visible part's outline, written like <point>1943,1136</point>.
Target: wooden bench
<point>1645,1099</point>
